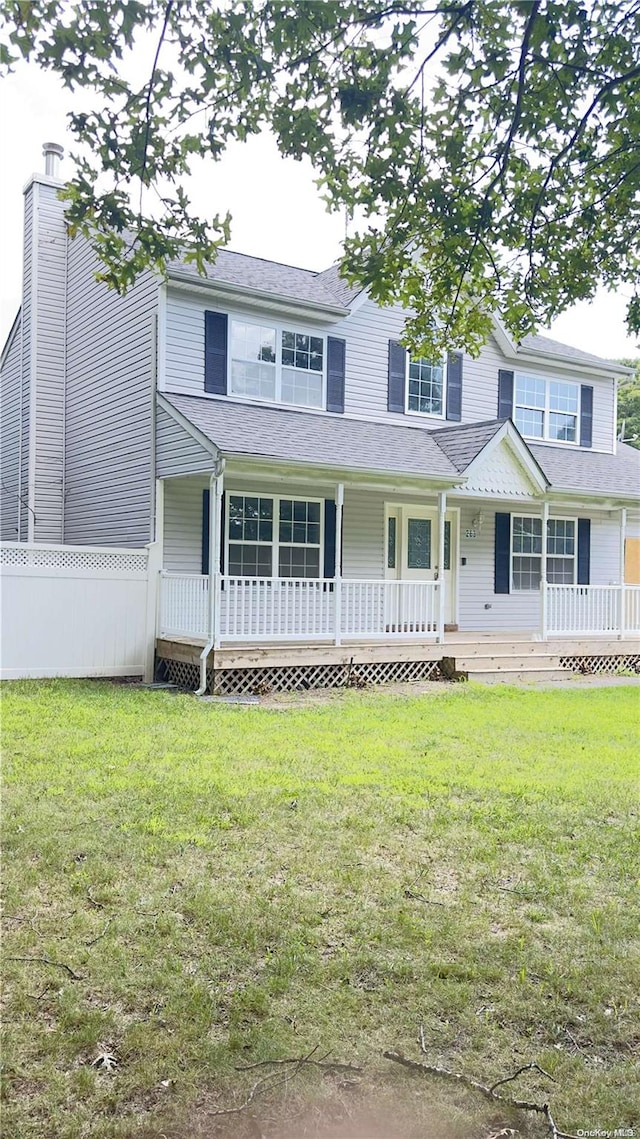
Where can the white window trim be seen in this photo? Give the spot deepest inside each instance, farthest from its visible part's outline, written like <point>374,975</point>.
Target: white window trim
<point>279,328</point>
<point>546,410</point>
<point>445,378</point>
<point>568,557</point>
<point>275,541</point>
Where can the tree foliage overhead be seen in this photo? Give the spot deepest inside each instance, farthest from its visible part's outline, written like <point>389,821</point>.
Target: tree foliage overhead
<point>629,405</point>
<point>490,151</point>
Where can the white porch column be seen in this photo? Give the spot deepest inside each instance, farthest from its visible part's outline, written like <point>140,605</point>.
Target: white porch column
<point>623,599</point>
<point>544,597</point>
<point>442,509</point>
<point>337,581</point>
<point>215,551</point>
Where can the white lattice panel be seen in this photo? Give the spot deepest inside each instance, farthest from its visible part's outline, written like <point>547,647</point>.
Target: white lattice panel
<point>61,557</point>
<point>599,665</point>
<point>292,678</point>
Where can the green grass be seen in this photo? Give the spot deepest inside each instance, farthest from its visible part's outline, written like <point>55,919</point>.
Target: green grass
<point>337,874</point>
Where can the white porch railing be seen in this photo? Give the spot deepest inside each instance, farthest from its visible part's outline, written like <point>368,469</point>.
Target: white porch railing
<point>592,610</point>
<point>184,605</point>
<point>268,609</point>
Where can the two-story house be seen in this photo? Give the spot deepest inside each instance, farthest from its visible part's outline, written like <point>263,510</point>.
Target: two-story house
<point>320,495</point>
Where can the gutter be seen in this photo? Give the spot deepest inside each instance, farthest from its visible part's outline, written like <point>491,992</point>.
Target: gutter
<point>215,484</point>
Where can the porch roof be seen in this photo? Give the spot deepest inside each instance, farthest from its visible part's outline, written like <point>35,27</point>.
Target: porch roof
<point>591,472</point>
<point>243,429</point>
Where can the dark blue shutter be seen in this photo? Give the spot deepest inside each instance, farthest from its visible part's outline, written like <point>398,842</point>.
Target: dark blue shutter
<point>584,550</point>
<point>215,352</point>
<point>502,557</point>
<point>454,386</point>
<point>505,394</point>
<point>336,357</point>
<point>586,415</point>
<point>206,495</point>
<point>397,376</point>
<point>329,538</point>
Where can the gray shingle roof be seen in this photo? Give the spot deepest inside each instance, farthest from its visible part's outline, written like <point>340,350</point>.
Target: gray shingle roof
<point>603,475</point>
<point>535,343</point>
<point>271,277</point>
<point>463,442</point>
<point>327,440</point>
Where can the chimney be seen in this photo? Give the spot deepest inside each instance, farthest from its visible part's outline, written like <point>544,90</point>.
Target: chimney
<point>53,153</point>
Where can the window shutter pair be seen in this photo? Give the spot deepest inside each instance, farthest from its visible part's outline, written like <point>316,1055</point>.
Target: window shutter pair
<point>329,534</point>
<point>505,405</point>
<point>502,553</point>
<point>216,335</point>
<point>397,381</point>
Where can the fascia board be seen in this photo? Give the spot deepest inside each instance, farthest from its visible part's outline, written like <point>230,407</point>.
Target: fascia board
<point>257,297</point>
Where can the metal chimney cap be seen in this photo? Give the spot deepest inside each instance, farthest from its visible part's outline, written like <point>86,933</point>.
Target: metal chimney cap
<point>53,153</point>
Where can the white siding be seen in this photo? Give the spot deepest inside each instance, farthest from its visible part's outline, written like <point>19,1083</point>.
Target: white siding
<point>109,406</point>
<point>367,332</point>
<point>177,452</point>
<point>10,401</point>
<point>182,538</point>
<point>25,332</point>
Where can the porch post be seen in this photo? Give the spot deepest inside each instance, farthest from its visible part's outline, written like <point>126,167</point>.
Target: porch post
<point>623,599</point>
<point>215,551</point>
<point>442,509</point>
<point>544,597</point>
<point>337,580</point>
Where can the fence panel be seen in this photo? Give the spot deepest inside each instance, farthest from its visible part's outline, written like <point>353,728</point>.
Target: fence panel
<point>75,611</point>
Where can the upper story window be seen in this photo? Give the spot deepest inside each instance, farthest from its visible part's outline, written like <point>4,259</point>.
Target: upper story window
<point>426,387</point>
<point>277,364</point>
<point>547,409</point>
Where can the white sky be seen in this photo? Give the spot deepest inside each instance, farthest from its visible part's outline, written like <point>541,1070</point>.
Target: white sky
<point>277,211</point>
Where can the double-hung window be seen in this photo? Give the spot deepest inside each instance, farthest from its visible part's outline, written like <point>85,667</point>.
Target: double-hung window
<point>277,364</point>
<point>526,552</point>
<point>426,387</point>
<point>547,409</point>
<point>274,537</point>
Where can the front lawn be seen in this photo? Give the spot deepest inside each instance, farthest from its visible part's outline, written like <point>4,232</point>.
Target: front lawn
<point>196,887</point>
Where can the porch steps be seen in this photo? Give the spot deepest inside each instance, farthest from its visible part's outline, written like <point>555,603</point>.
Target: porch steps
<point>512,665</point>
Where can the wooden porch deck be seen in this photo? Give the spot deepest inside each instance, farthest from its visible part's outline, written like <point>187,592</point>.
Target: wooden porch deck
<point>480,655</point>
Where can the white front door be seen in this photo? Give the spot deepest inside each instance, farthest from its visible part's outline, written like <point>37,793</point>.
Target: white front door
<point>412,549</point>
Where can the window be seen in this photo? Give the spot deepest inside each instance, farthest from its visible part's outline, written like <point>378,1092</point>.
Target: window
<point>419,543</point>
<point>425,390</point>
<point>526,552</point>
<point>546,409</point>
<point>299,539</point>
<point>260,547</point>
<point>276,364</point>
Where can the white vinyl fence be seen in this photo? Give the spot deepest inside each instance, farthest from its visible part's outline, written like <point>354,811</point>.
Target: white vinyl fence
<point>77,611</point>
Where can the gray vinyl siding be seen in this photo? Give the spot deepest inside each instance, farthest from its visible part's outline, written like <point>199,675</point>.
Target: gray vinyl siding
<point>25,332</point>
<point>177,452</point>
<point>109,406</point>
<point>48,365</point>
<point>10,407</point>
<point>367,332</point>
<point>182,537</point>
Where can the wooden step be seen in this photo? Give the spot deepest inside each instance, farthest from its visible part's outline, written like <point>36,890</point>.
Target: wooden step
<point>519,676</point>
<point>513,661</point>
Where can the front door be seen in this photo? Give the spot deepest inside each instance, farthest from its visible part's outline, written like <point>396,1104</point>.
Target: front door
<point>412,549</point>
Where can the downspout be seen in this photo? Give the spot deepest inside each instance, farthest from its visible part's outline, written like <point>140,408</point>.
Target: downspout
<point>215,498</point>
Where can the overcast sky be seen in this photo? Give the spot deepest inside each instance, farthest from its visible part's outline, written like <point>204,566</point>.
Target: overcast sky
<point>277,210</point>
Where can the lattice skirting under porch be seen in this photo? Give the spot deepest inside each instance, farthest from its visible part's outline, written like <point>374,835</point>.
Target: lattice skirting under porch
<point>291,678</point>
<point>602,664</point>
